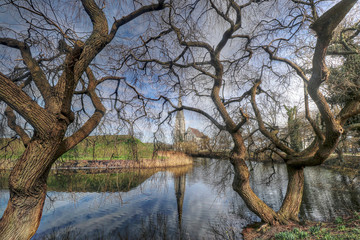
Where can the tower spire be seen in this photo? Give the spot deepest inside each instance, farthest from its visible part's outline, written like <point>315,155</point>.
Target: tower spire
<point>179,100</point>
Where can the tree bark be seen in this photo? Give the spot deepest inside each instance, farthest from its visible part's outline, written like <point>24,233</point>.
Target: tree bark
<point>291,204</point>
<point>27,186</point>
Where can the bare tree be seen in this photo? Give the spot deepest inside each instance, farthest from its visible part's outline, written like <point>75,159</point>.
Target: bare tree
<point>325,140</point>
<point>212,66</point>
<point>43,98</point>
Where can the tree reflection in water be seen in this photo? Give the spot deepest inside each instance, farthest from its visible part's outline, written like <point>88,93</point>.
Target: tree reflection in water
<point>179,187</point>
<point>154,226</point>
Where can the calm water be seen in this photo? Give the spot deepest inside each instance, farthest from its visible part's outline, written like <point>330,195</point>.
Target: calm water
<point>187,202</point>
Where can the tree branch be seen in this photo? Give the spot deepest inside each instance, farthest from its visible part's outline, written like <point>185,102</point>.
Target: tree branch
<point>122,21</point>
<point>92,122</point>
<point>261,124</point>
<point>84,53</point>
<point>326,23</point>
<point>9,113</point>
<point>350,109</point>
<point>313,124</point>
<point>294,66</point>
<point>36,72</point>
<point>245,119</point>
<point>39,118</point>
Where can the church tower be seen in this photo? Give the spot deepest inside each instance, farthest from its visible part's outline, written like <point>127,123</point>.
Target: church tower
<point>179,130</point>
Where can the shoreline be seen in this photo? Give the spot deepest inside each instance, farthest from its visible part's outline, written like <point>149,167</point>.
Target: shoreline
<point>164,159</point>
<point>350,165</point>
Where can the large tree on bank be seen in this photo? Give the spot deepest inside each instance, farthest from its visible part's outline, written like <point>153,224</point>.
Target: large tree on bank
<point>210,64</point>
<point>51,113</point>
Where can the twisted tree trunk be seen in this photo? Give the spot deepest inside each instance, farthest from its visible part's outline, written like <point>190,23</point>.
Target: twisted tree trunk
<point>291,204</point>
<point>290,208</point>
<point>27,186</point>
<point>241,185</point>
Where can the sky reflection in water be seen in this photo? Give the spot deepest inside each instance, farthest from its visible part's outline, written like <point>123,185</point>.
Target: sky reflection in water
<point>189,202</point>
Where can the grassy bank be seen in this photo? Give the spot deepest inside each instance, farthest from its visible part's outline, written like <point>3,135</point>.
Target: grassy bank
<point>347,227</point>
<point>109,147</point>
<point>164,159</point>
<point>104,147</point>
<point>106,151</point>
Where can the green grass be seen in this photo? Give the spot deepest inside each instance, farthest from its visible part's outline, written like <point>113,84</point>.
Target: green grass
<point>314,229</point>
<point>105,147</point>
<point>109,147</point>
<point>340,229</point>
<point>294,234</point>
<point>338,220</point>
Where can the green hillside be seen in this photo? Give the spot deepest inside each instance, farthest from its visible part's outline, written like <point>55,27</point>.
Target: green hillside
<point>104,147</point>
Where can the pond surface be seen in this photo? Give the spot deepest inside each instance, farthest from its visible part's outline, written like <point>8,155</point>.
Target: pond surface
<point>195,202</point>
